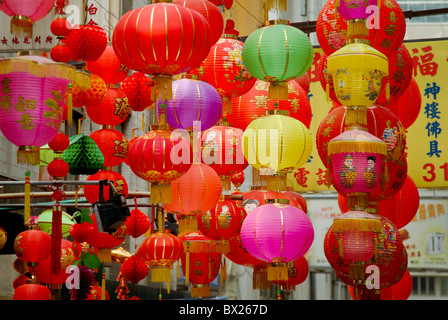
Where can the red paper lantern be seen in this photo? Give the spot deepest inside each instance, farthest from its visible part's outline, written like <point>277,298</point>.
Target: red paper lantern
<point>20,281</point>
<point>32,291</point>
<point>222,150</point>
<point>298,271</point>
<point>32,245</point>
<point>113,145</point>
<point>138,223</point>
<point>381,123</point>
<point>81,232</point>
<point>304,81</point>
<point>408,106</point>
<point>104,242</point>
<point>255,103</point>
<point>296,200</point>
<point>92,192</point>
<point>58,169</point>
<point>138,88</point>
<point>200,262</point>
<point>43,270</point>
<point>112,111</point>
<point>258,197</point>
<point>160,157</point>
<point>61,53</point>
<point>210,12</point>
<point>223,68</point>
<point>134,269</point>
<point>108,67</point>
<point>196,191</point>
<point>332,31</point>
<point>59,143</point>
<point>97,92</point>
<point>237,179</point>
<point>142,45</point>
<point>86,42</point>
<point>60,27</point>
<point>222,222</point>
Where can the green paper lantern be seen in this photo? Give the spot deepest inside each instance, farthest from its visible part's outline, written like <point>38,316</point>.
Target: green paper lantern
<point>277,53</point>
<point>83,156</point>
<point>44,222</point>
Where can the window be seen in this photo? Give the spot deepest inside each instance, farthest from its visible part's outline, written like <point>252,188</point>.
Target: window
<point>430,286</point>
<point>127,5</point>
<point>418,5</point>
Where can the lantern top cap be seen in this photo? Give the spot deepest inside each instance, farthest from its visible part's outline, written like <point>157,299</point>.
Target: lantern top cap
<point>277,112</point>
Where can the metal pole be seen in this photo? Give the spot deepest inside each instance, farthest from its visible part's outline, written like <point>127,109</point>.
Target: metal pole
<point>43,183</point>
<point>68,205</point>
<point>68,194</point>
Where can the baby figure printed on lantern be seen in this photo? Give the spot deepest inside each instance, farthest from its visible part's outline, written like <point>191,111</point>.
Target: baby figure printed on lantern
<point>348,173</point>
<point>224,217</point>
<point>250,204</point>
<point>370,172</point>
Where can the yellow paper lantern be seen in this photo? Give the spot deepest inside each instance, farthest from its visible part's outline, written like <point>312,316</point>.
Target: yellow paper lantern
<point>275,145</point>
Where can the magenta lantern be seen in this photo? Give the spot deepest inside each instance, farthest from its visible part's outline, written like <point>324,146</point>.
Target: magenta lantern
<point>24,13</point>
<point>355,9</point>
<point>277,233</point>
<point>32,91</point>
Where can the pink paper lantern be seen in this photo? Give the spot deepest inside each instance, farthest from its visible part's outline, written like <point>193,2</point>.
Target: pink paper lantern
<point>32,91</point>
<point>277,233</point>
<point>24,13</point>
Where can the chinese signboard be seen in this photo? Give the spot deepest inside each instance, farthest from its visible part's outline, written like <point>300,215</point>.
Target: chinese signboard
<point>426,141</point>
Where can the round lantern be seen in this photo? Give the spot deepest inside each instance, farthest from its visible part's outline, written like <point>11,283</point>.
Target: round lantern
<point>197,191</point>
<point>86,42</point>
<point>92,191</point>
<point>43,270</point>
<point>304,81</point>
<point>239,255</point>
<point>60,27</point>
<point>108,67</point>
<point>223,222</point>
<point>333,32</point>
<point>81,232</point>
<point>237,180</point>
<point>138,223</point>
<point>160,157</point>
<point>161,250</point>
<point>356,160</point>
<point>275,145</point>
<point>224,69</point>
<point>137,88</point>
<point>32,291</point>
<point>3,237</point>
<point>32,94</point>
<point>200,262</point>
<point>32,246</point>
<point>113,145</point>
<point>61,53</point>
<point>195,105</point>
<point>408,106</point>
<point>183,44</point>
<point>256,102</point>
<point>103,242</point>
<point>134,269</point>
<point>97,93</point>
<point>277,53</point>
<point>20,281</point>
<point>222,150</point>
<point>381,123</point>
<point>298,271</point>
<point>58,169</point>
<point>44,222</point>
<point>357,71</point>
<point>277,233</point>
<point>83,156</point>
<point>24,14</point>
<point>210,12</point>
<point>112,111</point>
<point>295,199</point>
<point>389,256</point>
<point>259,196</point>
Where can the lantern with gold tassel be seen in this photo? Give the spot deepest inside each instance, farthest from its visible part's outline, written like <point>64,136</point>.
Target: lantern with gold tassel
<point>275,145</point>
<point>161,250</point>
<point>160,157</point>
<point>277,53</point>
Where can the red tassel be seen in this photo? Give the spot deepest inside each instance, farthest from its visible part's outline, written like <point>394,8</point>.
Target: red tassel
<point>56,239</point>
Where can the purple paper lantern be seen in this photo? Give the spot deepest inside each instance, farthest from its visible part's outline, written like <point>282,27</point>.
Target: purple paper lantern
<point>277,233</point>
<point>195,105</point>
<point>32,91</point>
<point>355,9</point>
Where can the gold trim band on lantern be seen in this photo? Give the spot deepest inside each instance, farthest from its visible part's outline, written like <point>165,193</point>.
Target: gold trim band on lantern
<point>336,147</point>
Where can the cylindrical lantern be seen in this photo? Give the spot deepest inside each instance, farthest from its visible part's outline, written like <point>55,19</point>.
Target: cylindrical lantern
<point>277,233</point>
<point>113,145</point>
<point>195,105</point>
<point>277,53</point>
<point>255,103</point>
<point>275,145</point>
<point>197,191</point>
<point>223,222</point>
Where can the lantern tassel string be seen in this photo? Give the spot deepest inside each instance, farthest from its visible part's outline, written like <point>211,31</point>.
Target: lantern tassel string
<point>56,238</point>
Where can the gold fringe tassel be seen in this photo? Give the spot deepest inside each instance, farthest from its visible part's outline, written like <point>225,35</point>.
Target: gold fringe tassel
<point>160,193</point>
<point>187,265</point>
<point>200,290</point>
<point>27,200</point>
<point>21,26</point>
<point>278,271</point>
<point>281,5</point>
<point>278,91</point>
<point>357,272</point>
<point>385,176</point>
<point>387,89</point>
<point>327,91</point>
<point>257,178</point>
<point>276,182</point>
<point>357,225</point>
<point>160,274</point>
<point>357,201</point>
<point>260,279</point>
<point>162,87</point>
<point>356,115</point>
<point>29,155</point>
<point>336,7</point>
<point>336,147</point>
<point>103,286</point>
<point>357,29</point>
<point>223,246</point>
<point>70,105</point>
<point>341,246</point>
<point>227,107</point>
<point>226,183</point>
<point>188,223</point>
<point>105,255</point>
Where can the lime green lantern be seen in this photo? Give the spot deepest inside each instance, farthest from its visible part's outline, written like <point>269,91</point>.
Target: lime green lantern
<point>44,221</point>
<point>277,53</point>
